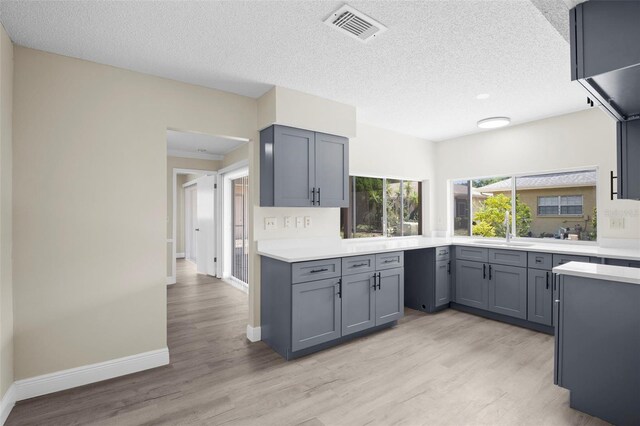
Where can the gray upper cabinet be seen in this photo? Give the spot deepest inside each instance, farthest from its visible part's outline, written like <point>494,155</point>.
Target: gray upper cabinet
<point>508,290</point>
<point>628,160</point>
<point>316,313</point>
<point>358,302</point>
<point>389,295</point>
<point>301,168</point>
<point>471,284</point>
<point>332,165</point>
<point>540,297</point>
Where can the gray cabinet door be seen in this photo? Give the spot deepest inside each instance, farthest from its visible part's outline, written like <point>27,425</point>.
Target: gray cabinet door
<point>315,313</point>
<point>358,302</point>
<point>390,296</point>
<point>539,297</point>
<point>471,284</point>
<point>508,290</point>
<point>293,167</point>
<point>332,170</point>
<point>443,282</point>
<point>628,158</point>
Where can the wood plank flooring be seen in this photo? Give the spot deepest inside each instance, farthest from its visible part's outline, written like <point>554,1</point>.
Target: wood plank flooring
<point>446,369</point>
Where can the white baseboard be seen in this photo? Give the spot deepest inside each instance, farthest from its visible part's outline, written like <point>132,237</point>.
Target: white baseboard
<point>171,280</point>
<point>253,333</point>
<point>74,377</point>
<point>180,255</point>
<point>7,403</point>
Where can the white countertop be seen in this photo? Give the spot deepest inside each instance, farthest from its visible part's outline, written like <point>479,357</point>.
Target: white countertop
<point>600,272</point>
<point>301,250</point>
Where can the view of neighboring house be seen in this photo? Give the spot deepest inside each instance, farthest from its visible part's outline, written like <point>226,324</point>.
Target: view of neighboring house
<point>561,205</point>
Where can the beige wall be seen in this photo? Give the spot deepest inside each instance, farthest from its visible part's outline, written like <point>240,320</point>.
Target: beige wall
<point>241,153</point>
<point>6,240</point>
<point>578,140</point>
<point>90,204</point>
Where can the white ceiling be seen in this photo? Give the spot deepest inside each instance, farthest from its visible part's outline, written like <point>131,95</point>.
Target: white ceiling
<point>184,144</point>
<point>421,77</point>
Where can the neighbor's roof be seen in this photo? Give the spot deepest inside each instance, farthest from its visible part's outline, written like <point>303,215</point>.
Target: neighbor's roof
<point>555,180</point>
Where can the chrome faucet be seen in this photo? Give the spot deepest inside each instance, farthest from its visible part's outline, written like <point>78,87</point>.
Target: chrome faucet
<point>507,226</point>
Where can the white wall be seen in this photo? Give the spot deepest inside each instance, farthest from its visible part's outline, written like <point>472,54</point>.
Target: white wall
<point>581,139</point>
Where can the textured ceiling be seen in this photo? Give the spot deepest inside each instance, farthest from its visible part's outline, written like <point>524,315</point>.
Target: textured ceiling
<point>421,77</point>
<point>190,143</point>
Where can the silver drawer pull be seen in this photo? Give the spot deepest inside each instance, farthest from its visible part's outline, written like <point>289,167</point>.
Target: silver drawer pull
<point>314,271</point>
<point>358,265</point>
<point>389,261</point>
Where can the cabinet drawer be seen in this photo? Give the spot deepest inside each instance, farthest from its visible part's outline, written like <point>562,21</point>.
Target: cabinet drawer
<point>390,260</point>
<point>540,260</point>
<point>442,253</point>
<point>472,253</point>
<point>622,262</point>
<point>561,259</point>
<point>358,264</point>
<point>316,270</point>
<point>508,257</point>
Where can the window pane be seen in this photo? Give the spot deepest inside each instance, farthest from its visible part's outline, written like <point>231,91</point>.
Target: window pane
<point>394,208</point>
<point>411,208</point>
<point>368,207</point>
<point>461,210</point>
<point>491,200</point>
<point>564,204</point>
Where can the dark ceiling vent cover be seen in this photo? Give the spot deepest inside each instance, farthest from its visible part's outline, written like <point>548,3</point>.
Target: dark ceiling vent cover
<point>355,24</point>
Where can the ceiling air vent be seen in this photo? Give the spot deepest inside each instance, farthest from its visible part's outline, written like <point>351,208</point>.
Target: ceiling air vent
<point>355,24</point>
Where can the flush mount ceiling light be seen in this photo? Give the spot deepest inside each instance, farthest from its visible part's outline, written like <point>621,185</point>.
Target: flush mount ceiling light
<point>482,96</point>
<point>494,122</point>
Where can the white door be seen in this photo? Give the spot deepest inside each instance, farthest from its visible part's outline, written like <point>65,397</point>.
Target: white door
<point>190,222</point>
<point>206,234</point>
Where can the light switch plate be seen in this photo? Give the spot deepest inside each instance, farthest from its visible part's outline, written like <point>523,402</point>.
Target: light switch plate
<point>307,221</point>
<point>299,222</point>
<point>287,221</point>
<point>270,223</point>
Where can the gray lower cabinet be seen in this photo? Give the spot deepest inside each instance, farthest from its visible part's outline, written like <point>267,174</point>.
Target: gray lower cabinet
<point>316,313</point>
<point>358,302</point>
<point>427,284</point>
<point>443,283</point>
<point>508,290</point>
<point>540,297</point>
<point>472,284</point>
<point>302,168</point>
<point>389,295</point>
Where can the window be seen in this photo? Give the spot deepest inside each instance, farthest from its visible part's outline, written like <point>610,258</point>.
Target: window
<point>553,205</point>
<point>562,205</point>
<point>382,207</point>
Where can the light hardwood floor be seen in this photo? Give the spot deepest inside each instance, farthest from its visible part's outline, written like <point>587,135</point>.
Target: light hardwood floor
<point>446,369</point>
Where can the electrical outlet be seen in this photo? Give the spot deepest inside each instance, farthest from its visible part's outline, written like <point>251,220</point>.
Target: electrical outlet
<point>299,222</point>
<point>270,223</point>
<point>616,222</point>
<point>307,221</point>
<point>287,221</point>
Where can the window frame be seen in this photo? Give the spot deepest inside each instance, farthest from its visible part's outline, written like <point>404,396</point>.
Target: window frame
<point>514,177</point>
<point>559,206</point>
<point>348,214</point>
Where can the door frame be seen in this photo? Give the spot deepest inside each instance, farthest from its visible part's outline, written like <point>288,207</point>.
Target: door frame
<point>224,207</point>
<point>188,188</point>
<point>171,279</point>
